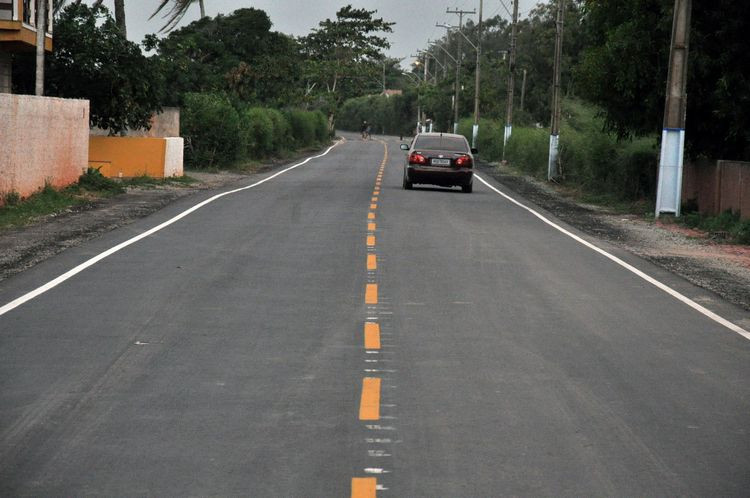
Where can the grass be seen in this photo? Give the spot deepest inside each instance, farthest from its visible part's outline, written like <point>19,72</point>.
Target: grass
<point>46,201</point>
<point>727,224</point>
<point>91,186</point>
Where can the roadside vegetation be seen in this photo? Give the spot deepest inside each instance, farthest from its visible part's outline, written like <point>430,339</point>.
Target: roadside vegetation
<point>726,226</point>
<point>91,187</point>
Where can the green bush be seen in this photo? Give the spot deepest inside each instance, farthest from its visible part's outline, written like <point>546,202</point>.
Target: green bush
<point>93,180</point>
<point>256,129</point>
<point>741,232</point>
<point>528,150</point>
<point>321,126</point>
<point>211,128</point>
<point>11,198</point>
<point>394,115</point>
<point>302,124</point>
<point>489,140</point>
<point>282,132</point>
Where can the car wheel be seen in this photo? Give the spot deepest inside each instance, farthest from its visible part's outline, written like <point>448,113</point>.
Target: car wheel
<point>406,184</point>
<point>468,188</point>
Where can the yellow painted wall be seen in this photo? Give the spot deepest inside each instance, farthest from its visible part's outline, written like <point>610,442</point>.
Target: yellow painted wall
<point>127,157</point>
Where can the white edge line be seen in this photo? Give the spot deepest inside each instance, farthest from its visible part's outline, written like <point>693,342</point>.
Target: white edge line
<point>680,297</point>
<point>90,262</point>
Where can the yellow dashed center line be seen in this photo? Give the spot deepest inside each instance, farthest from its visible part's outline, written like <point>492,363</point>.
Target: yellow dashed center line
<point>369,403</point>
<point>372,335</point>
<point>364,487</point>
<point>371,294</point>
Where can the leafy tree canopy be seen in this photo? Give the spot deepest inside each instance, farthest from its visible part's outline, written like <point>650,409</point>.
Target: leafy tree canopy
<point>343,56</point>
<point>93,61</point>
<point>237,53</point>
<point>624,70</point>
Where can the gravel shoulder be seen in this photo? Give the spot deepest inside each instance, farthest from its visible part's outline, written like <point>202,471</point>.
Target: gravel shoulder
<point>721,268</point>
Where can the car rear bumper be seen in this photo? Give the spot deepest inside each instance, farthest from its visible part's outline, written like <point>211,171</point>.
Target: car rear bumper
<point>445,177</point>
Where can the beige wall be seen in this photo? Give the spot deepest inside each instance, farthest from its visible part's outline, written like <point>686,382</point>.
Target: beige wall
<point>165,124</point>
<point>42,139</point>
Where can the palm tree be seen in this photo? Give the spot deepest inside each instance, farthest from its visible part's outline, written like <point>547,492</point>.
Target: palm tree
<point>177,11</point>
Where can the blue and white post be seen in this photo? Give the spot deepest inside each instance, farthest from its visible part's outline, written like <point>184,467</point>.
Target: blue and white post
<point>554,150</point>
<point>669,184</point>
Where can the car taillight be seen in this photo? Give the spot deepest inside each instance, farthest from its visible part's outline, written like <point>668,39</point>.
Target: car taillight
<point>464,162</point>
<point>415,158</point>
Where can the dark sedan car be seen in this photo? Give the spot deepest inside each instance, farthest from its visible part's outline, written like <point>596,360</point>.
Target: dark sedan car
<point>443,159</point>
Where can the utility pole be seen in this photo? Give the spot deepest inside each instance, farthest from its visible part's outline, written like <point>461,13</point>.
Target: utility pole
<point>383,76</point>
<point>420,120</point>
<point>41,29</point>
<point>523,90</point>
<point>458,64</point>
<point>554,137</point>
<point>475,129</point>
<point>511,78</point>
<point>669,186</point>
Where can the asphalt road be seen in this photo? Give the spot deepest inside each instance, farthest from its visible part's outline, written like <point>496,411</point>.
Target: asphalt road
<point>326,333</point>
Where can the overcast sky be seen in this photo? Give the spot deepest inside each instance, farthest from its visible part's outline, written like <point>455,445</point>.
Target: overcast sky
<point>415,19</point>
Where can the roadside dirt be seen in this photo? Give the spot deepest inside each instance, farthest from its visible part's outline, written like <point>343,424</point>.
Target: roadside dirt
<point>713,265</point>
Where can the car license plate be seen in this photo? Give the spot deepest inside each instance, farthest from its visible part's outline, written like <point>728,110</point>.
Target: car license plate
<point>441,162</point>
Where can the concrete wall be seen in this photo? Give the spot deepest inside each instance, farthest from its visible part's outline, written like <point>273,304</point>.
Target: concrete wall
<point>718,186</point>
<point>128,157</point>
<point>42,139</point>
<point>164,124</point>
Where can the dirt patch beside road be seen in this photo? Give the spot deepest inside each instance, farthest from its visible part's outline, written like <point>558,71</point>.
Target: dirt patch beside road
<point>721,268</point>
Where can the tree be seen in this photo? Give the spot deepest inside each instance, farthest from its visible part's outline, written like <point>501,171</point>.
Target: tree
<point>119,12</point>
<point>343,56</point>
<point>624,70</point>
<point>92,60</point>
<point>237,54</point>
<point>177,12</point>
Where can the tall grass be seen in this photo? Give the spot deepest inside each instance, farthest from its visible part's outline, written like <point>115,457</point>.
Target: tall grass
<point>590,158</point>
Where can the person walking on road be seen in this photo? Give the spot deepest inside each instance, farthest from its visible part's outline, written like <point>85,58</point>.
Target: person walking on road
<point>365,130</point>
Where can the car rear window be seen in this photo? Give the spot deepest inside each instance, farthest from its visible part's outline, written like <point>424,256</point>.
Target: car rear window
<point>441,143</point>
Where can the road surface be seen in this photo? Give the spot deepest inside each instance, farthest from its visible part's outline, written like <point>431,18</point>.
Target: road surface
<point>326,333</point>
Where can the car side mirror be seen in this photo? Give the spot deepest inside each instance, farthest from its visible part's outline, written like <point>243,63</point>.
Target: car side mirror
<point>474,150</point>
<point>404,147</point>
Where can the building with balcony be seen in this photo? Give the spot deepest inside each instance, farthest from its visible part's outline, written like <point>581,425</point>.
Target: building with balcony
<point>18,34</point>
